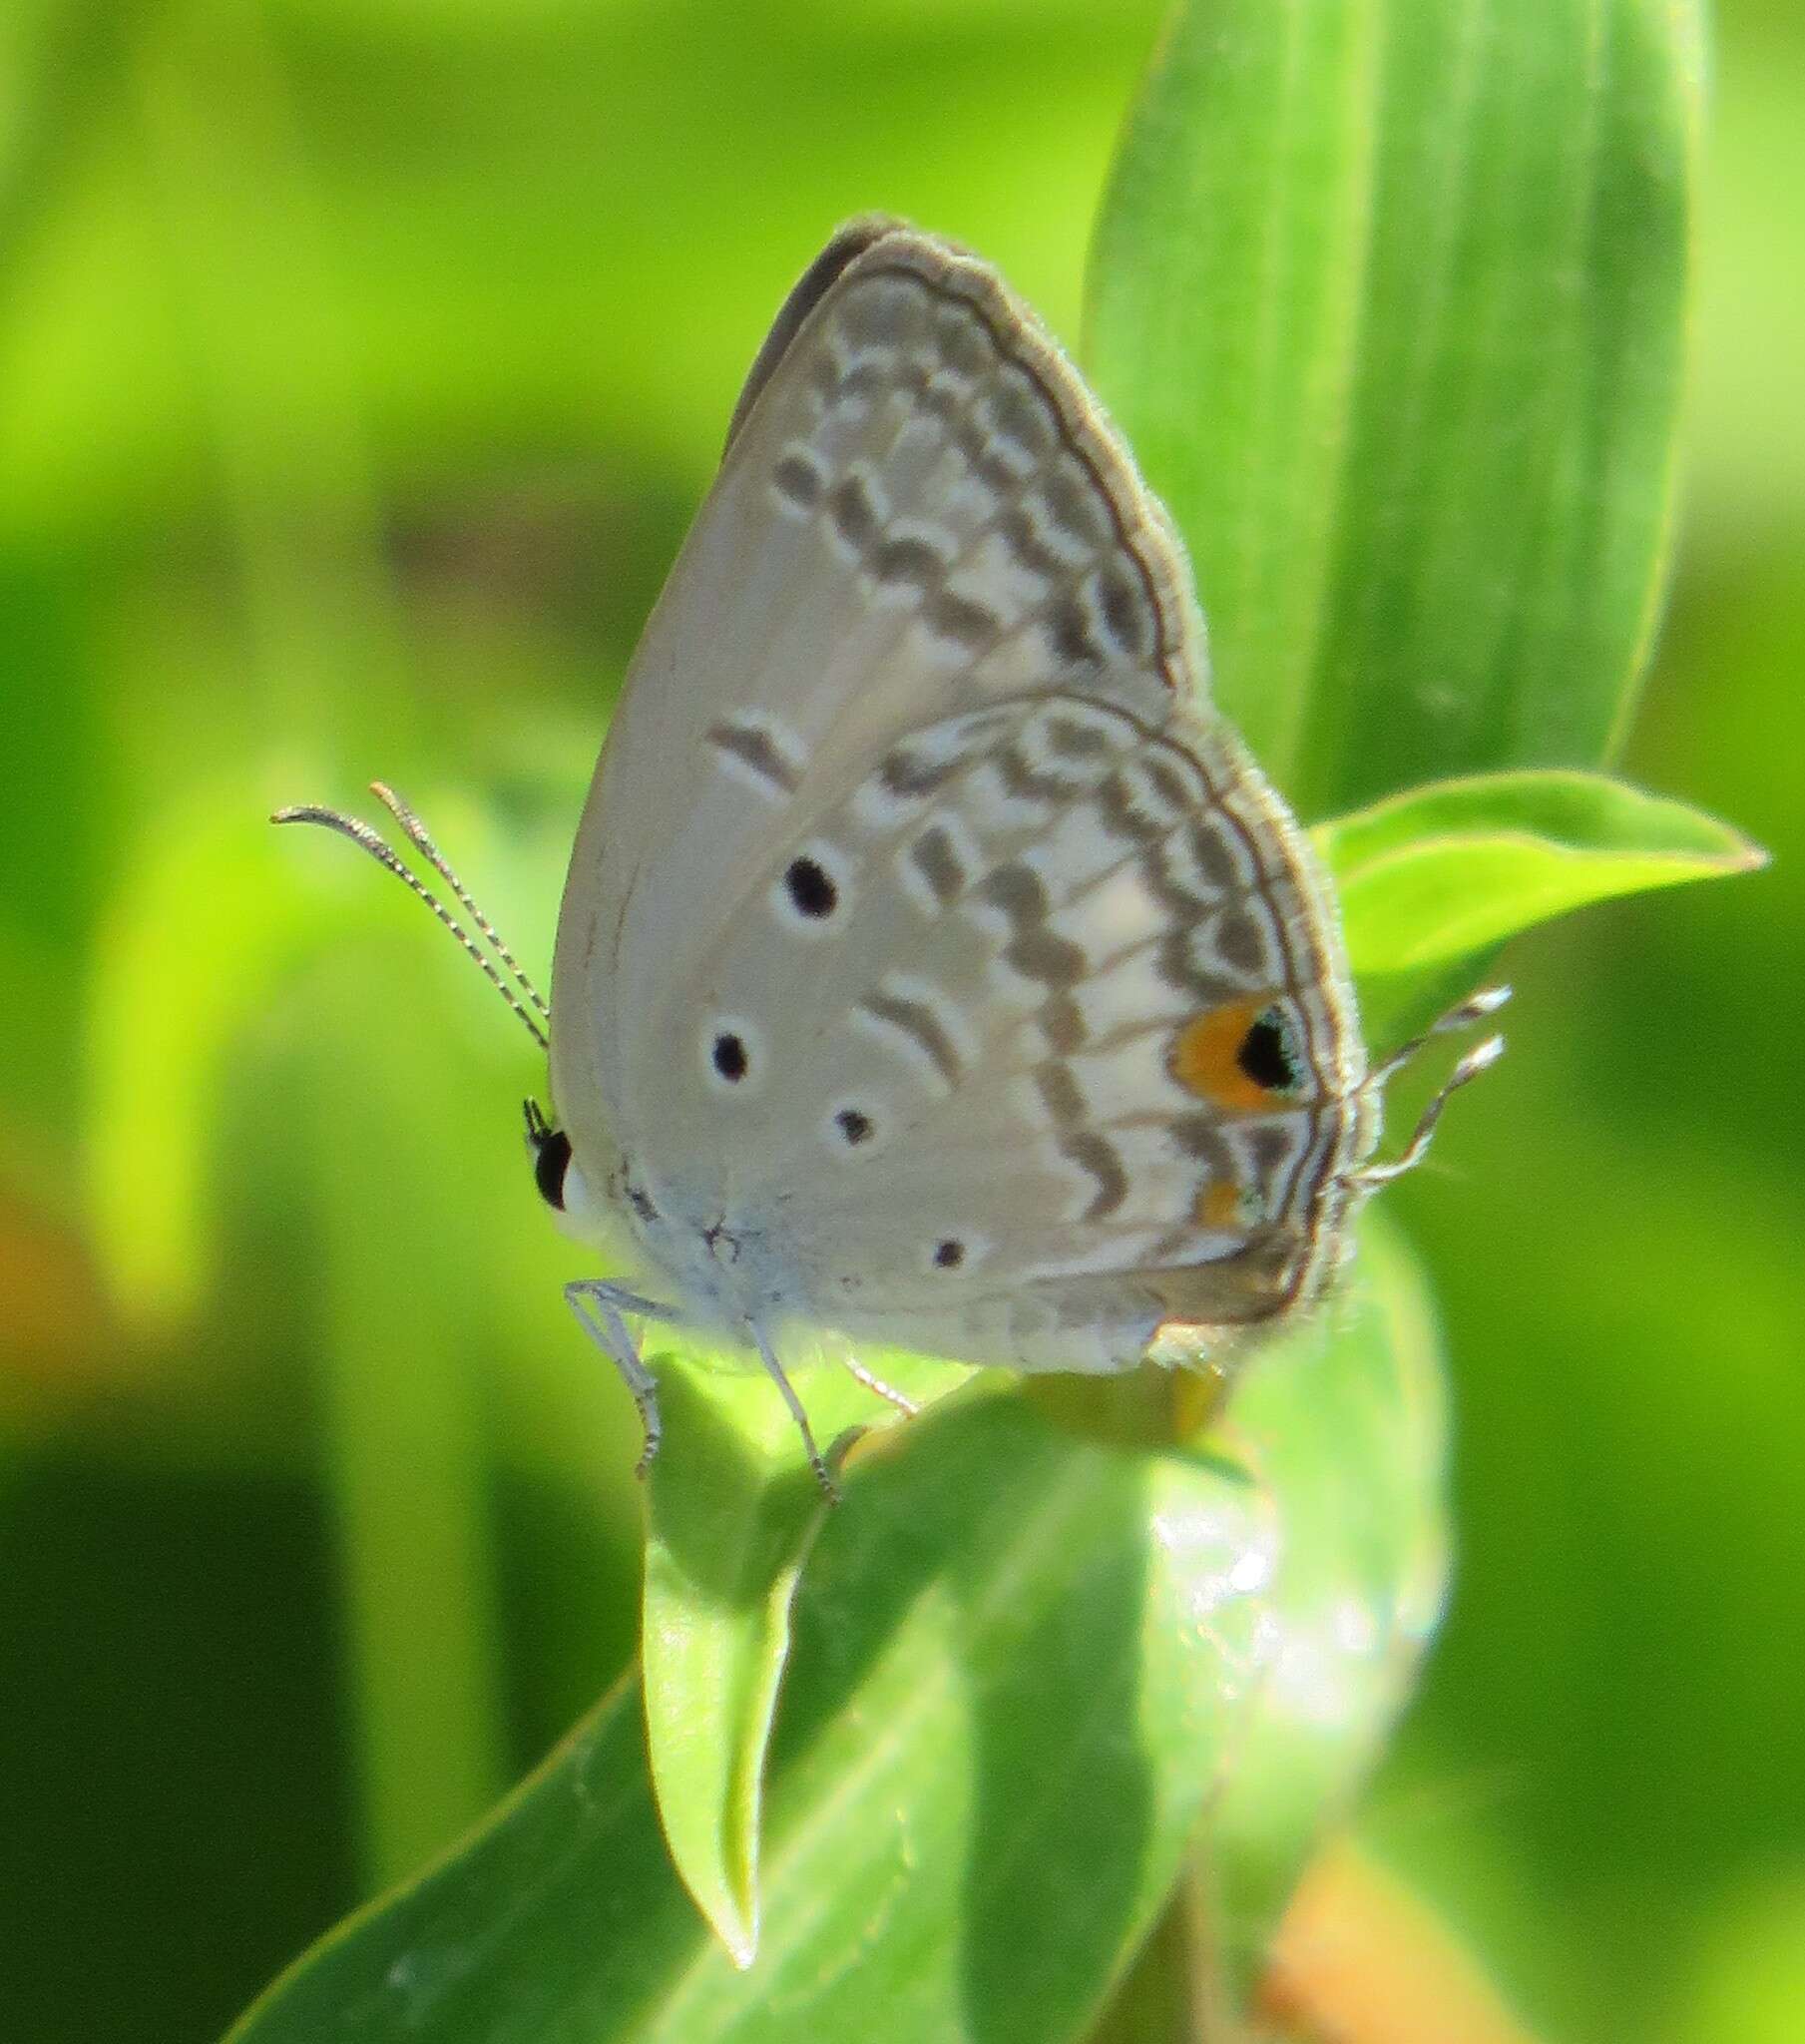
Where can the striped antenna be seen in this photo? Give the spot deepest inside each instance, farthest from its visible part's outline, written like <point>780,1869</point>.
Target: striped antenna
<point>534,1017</point>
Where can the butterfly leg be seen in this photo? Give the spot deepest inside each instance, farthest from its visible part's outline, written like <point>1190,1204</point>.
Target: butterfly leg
<point>830,1491</point>
<point>1478,1059</point>
<point>1483,1001</point>
<point>600,1308</point>
<point>888,1393</point>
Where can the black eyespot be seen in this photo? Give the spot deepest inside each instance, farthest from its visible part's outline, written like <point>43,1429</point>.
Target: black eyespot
<point>854,1126</point>
<point>810,888</point>
<point>949,1254</point>
<point>730,1060</point>
<point>641,1204</point>
<point>1265,1055</point>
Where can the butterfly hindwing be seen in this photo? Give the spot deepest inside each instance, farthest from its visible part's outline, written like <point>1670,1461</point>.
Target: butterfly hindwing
<point>1052,1031</point>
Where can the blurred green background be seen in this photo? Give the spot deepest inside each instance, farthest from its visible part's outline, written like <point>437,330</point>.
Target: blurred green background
<point>360,363</point>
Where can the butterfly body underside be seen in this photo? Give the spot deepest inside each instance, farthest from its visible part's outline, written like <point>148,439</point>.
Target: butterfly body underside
<point>935,967</point>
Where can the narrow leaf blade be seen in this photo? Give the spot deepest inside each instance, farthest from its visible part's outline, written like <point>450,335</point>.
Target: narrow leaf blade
<point>1451,871</point>
<point>1389,300</point>
<point>732,1508</point>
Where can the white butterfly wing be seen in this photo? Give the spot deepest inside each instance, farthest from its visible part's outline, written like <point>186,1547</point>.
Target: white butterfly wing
<point>1058,1064</point>
<point>908,521</point>
<point>911,814</point>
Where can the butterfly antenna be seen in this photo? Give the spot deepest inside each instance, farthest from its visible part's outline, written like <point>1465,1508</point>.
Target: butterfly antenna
<point>419,838</point>
<point>1477,1007</point>
<point>385,855</point>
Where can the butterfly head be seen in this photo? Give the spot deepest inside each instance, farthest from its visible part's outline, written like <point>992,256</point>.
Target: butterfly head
<point>550,1151</point>
<point>588,1211</point>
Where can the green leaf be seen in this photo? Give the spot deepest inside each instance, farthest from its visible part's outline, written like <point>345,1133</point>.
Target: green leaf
<point>727,1529</point>
<point>1448,872</point>
<point>1027,1657</point>
<point>1173,1991</point>
<point>1355,1607</point>
<point>1389,300</point>
<point>732,1510</point>
<point>1367,1447</point>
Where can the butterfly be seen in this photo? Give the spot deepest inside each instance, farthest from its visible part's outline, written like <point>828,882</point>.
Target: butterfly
<point>935,965</point>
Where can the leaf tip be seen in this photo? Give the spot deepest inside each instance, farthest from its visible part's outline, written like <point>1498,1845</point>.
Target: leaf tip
<point>735,1922</point>
<point>731,1916</point>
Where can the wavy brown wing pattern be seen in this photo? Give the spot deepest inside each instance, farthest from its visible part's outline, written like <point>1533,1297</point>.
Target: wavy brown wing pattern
<point>914,793</point>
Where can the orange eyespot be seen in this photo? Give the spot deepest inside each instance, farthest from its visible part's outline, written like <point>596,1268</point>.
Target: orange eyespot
<point>1220,1205</point>
<point>1235,1056</point>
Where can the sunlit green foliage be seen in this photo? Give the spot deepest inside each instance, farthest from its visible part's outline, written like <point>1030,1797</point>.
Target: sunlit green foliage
<point>360,364</point>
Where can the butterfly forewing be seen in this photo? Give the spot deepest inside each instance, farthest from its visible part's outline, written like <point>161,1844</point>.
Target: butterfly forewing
<point>924,930</point>
<point>916,514</point>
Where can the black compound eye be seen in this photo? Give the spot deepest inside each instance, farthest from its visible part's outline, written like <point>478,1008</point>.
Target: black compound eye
<point>551,1157</point>
<point>549,1163</point>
